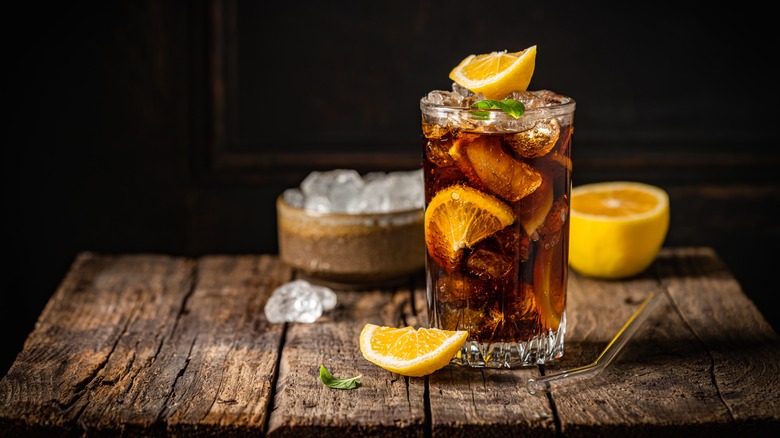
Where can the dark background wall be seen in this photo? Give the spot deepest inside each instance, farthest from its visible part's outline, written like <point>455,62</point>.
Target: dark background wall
<point>170,127</point>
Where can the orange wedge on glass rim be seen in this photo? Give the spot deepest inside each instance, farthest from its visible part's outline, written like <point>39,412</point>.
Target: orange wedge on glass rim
<point>496,74</point>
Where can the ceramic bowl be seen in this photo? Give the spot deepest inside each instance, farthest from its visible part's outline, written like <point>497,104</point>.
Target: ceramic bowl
<point>351,248</point>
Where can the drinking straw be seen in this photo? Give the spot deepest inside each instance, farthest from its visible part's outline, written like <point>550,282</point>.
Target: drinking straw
<point>546,384</point>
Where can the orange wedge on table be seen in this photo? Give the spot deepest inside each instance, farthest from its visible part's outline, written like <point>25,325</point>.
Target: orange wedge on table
<point>458,217</point>
<point>496,74</point>
<point>409,351</point>
<point>617,228</point>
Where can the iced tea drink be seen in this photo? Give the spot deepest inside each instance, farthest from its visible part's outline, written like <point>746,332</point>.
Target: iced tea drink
<point>497,193</point>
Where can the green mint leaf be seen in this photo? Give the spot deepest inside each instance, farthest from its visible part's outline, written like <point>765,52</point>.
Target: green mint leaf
<point>480,115</point>
<point>509,106</point>
<point>336,383</point>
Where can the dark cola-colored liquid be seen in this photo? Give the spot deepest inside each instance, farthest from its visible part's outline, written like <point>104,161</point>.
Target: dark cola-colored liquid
<point>510,286</point>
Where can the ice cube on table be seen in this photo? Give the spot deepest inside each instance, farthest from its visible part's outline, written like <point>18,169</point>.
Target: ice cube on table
<point>299,301</point>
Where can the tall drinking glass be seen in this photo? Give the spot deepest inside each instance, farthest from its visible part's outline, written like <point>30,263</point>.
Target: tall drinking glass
<point>497,191</point>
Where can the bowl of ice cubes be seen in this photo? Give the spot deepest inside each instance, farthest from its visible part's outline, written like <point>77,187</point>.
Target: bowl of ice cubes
<point>343,227</point>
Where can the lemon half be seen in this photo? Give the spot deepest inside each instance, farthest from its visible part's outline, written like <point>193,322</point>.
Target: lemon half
<point>617,228</point>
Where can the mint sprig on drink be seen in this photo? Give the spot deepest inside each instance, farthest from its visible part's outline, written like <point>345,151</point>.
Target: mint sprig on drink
<point>333,382</point>
<point>509,106</point>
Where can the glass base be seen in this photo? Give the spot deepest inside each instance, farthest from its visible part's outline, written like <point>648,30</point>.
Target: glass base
<point>537,351</point>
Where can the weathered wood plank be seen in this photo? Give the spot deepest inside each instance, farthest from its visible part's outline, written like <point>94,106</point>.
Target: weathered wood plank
<point>666,372</point>
<point>155,345</point>
<point>659,383</point>
<point>103,327</point>
<point>385,404</point>
<point>226,385</point>
<point>475,402</point>
<point>158,345</point>
<point>743,350</point>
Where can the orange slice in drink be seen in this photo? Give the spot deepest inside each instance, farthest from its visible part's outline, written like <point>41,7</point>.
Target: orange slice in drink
<point>496,74</point>
<point>484,161</point>
<point>534,208</point>
<point>408,351</point>
<point>458,217</point>
<point>550,284</point>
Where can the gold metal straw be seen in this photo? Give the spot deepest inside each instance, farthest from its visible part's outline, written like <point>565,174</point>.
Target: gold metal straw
<point>546,384</point>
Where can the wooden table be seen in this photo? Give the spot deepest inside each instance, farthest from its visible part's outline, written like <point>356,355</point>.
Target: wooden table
<point>160,345</point>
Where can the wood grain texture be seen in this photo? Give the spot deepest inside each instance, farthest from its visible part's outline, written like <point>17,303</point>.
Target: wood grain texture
<point>743,351</point>
<point>386,404</point>
<point>105,324</point>
<point>231,350</point>
<point>659,384</point>
<point>149,344</point>
<point>154,345</point>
